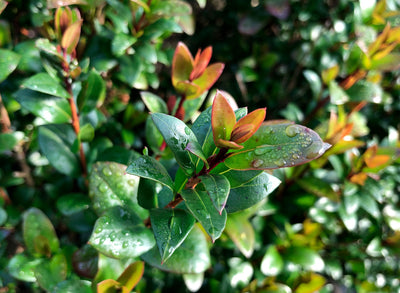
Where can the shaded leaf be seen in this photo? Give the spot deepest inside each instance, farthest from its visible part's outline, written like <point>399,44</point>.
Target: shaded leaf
<point>318,187</point>
<point>154,103</point>
<point>81,286</point>
<point>73,203</point>
<point>121,234</point>
<point>276,146</point>
<point>93,92</point>
<point>23,267</point>
<point>51,272</point>
<point>305,257</point>
<point>202,208</point>
<point>192,257</point>
<point>171,227</point>
<point>39,235</point>
<point>150,168</point>
<point>110,186</point>
<point>314,284</point>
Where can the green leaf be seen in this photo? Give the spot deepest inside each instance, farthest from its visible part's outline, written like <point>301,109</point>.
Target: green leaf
<point>305,257</point>
<point>248,194</point>
<point>121,234</point>
<point>192,257</point>
<point>365,90</point>
<point>337,94</point>
<point>110,268</point>
<point>49,108</point>
<point>390,62</point>
<point>8,62</point>
<point>73,203</point>
<point>272,262</point>
<point>109,186</point>
<point>153,136</point>
<point>195,149</point>
<point>277,146</point>
<point>130,67</point>
<point>177,136</point>
<point>241,232</point>
<point>150,168</point>
<point>55,141</point>
<point>202,208</point>
<point>86,133</point>
<point>9,140</point>
<point>217,186</point>
<point>154,103</point>
<point>23,267</point>
<point>44,83</point>
<point>132,275</point>
<point>39,235</point>
<point>51,272</point>
<point>93,92</point>
<point>171,227</point>
<point>314,81</point>
<point>120,43</point>
<point>71,286</point>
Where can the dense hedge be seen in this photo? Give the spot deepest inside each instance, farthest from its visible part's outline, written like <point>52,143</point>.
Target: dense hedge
<point>98,194</point>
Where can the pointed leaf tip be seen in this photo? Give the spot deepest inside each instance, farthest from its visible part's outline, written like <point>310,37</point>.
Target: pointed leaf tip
<point>223,118</point>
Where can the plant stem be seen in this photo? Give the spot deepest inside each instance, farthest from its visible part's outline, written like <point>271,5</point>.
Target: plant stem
<point>4,118</point>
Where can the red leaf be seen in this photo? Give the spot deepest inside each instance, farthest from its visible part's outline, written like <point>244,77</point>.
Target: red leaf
<point>182,64</point>
<point>200,62</point>
<point>223,118</point>
<point>242,132</point>
<point>208,78</point>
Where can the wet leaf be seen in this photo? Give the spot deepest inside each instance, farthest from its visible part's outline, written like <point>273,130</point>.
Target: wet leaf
<point>44,83</point>
<point>249,193</point>
<point>81,286</point>
<point>73,203</point>
<point>51,272</point>
<point>276,146</point>
<point>171,227</point>
<point>8,62</point>
<point>118,233</point>
<point>39,235</point>
<point>241,232</point>
<point>177,136</point>
<point>110,186</point>
<point>192,257</point>
<point>23,267</point>
<point>217,187</point>
<point>202,208</point>
<point>150,168</point>
<point>50,108</point>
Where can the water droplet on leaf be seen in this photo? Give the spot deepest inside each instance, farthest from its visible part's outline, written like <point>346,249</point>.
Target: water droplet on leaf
<point>257,163</point>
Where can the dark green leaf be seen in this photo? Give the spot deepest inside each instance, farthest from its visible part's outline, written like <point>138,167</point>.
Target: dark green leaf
<point>195,149</point>
<point>120,43</point>
<point>218,188</point>
<point>153,136</point>
<point>177,136</point>
<point>150,168</point>
<point>49,108</point>
<point>171,227</point>
<point>248,194</point>
<point>202,208</point>
<point>86,133</point>
<point>272,262</point>
<point>73,203</point>
<point>51,272</point>
<point>121,234</point>
<point>39,235</point>
<point>85,261</point>
<point>110,186</point>
<point>154,103</point>
<point>92,93</point>
<point>192,257</point>
<point>8,62</point>
<point>55,142</point>
<point>318,187</point>
<point>44,83</point>
<point>241,232</point>
<point>130,67</point>
<point>9,140</point>
<point>276,146</point>
<point>365,90</point>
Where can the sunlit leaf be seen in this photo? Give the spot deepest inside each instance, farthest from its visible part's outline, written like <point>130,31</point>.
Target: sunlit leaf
<point>217,186</point>
<point>71,37</point>
<point>272,262</point>
<point>242,131</point>
<point>182,64</point>
<point>8,61</point>
<point>44,83</point>
<point>241,232</point>
<point>223,118</point>
<point>131,275</point>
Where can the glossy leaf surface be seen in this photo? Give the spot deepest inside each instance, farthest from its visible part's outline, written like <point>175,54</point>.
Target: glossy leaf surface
<point>44,83</point>
<point>154,103</point>
<point>217,187</point>
<point>276,146</point>
<point>8,62</point>
<point>272,262</point>
<point>110,186</point>
<point>118,233</point>
<point>202,208</point>
<point>192,257</point>
<point>177,136</point>
<point>131,275</point>
<point>150,168</point>
<point>222,118</point>
<point>51,272</point>
<point>249,193</point>
<point>171,227</point>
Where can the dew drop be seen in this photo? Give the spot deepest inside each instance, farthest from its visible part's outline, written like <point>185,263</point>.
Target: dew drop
<point>125,244</point>
<point>257,163</point>
<point>112,236</point>
<point>102,240</point>
<point>103,187</point>
<point>187,130</point>
<point>295,156</point>
<point>280,162</point>
<point>107,171</point>
<point>131,182</point>
<point>292,130</point>
<point>98,229</point>
<point>262,151</point>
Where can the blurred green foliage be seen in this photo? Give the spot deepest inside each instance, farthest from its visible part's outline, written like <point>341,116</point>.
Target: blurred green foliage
<point>333,225</point>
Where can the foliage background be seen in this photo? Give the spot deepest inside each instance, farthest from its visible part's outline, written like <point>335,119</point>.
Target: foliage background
<point>333,224</point>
